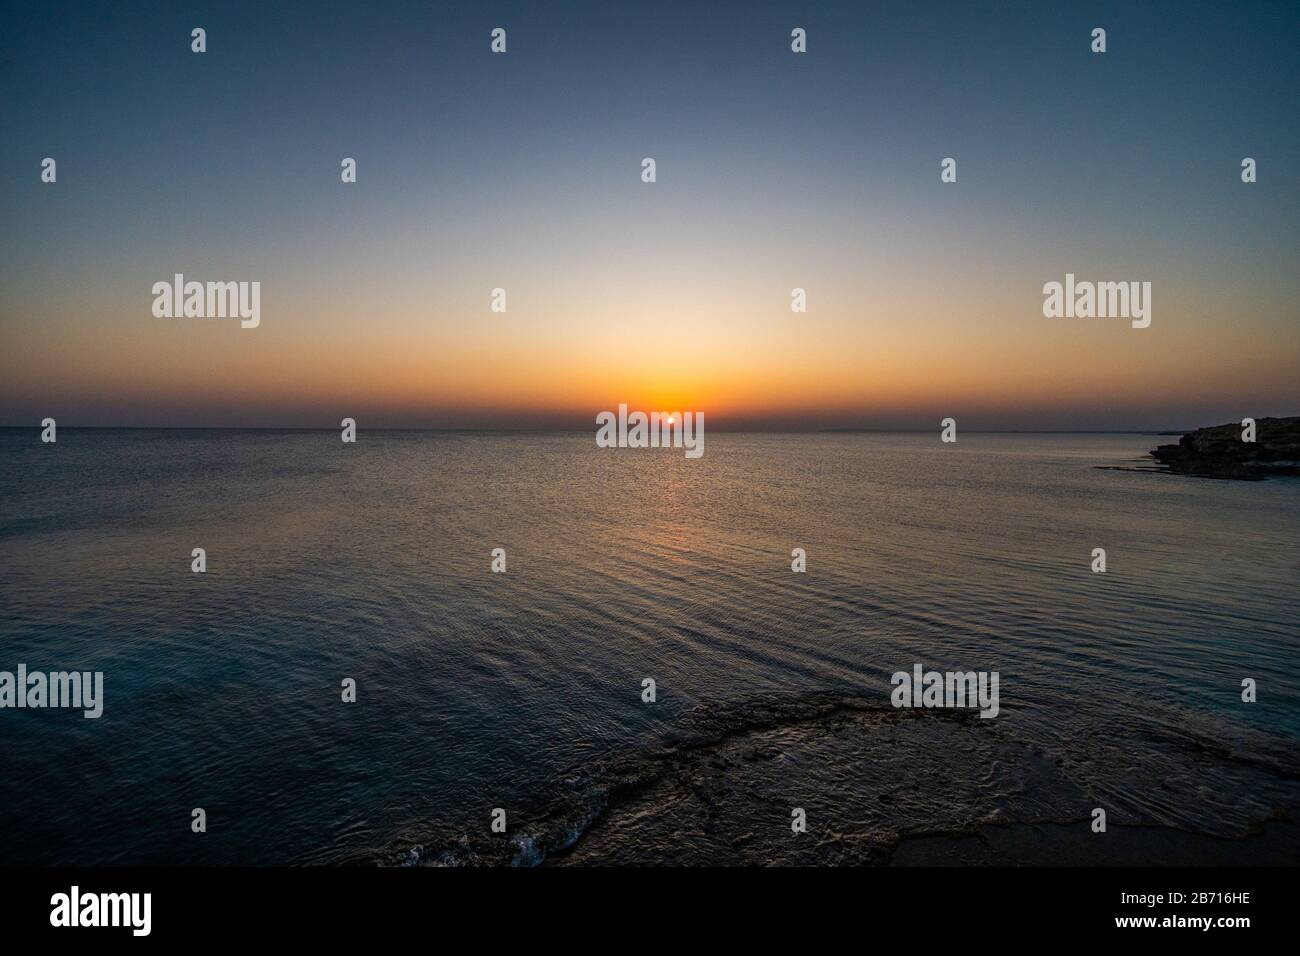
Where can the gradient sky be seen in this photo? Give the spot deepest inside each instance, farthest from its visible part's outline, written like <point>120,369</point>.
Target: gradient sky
<point>774,171</point>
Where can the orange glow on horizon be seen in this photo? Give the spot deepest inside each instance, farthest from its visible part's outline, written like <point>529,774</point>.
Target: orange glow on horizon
<point>319,362</point>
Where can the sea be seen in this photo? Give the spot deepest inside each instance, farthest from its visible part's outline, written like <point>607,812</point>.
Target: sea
<point>526,691</point>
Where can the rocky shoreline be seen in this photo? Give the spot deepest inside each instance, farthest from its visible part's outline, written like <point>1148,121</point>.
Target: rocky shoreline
<point>881,787</point>
<point>1219,452</point>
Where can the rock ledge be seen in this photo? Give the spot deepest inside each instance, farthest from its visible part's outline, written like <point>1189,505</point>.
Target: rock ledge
<point>1219,452</point>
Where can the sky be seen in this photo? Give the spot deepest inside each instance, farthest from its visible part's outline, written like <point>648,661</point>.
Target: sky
<point>775,170</point>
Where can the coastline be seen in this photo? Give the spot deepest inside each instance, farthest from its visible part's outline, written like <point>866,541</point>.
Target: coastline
<point>1225,451</point>
<point>881,787</point>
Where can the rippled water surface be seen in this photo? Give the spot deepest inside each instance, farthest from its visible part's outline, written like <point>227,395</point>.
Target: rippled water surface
<point>479,690</point>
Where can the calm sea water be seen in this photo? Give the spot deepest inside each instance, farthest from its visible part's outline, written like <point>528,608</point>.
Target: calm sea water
<point>476,690</point>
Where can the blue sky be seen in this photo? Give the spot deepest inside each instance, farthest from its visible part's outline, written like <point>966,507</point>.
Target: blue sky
<point>775,171</point>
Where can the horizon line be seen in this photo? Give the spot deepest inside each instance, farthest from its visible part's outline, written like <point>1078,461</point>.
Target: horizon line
<point>575,430</point>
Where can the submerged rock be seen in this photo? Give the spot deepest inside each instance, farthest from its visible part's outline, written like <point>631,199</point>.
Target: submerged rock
<point>1219,452</point>
<point>880,785</point>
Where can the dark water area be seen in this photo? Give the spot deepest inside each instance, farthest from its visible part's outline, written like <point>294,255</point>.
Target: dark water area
<point>523,690</point>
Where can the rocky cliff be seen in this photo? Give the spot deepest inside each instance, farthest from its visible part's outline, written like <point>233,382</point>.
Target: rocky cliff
<point>1219,452</point>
